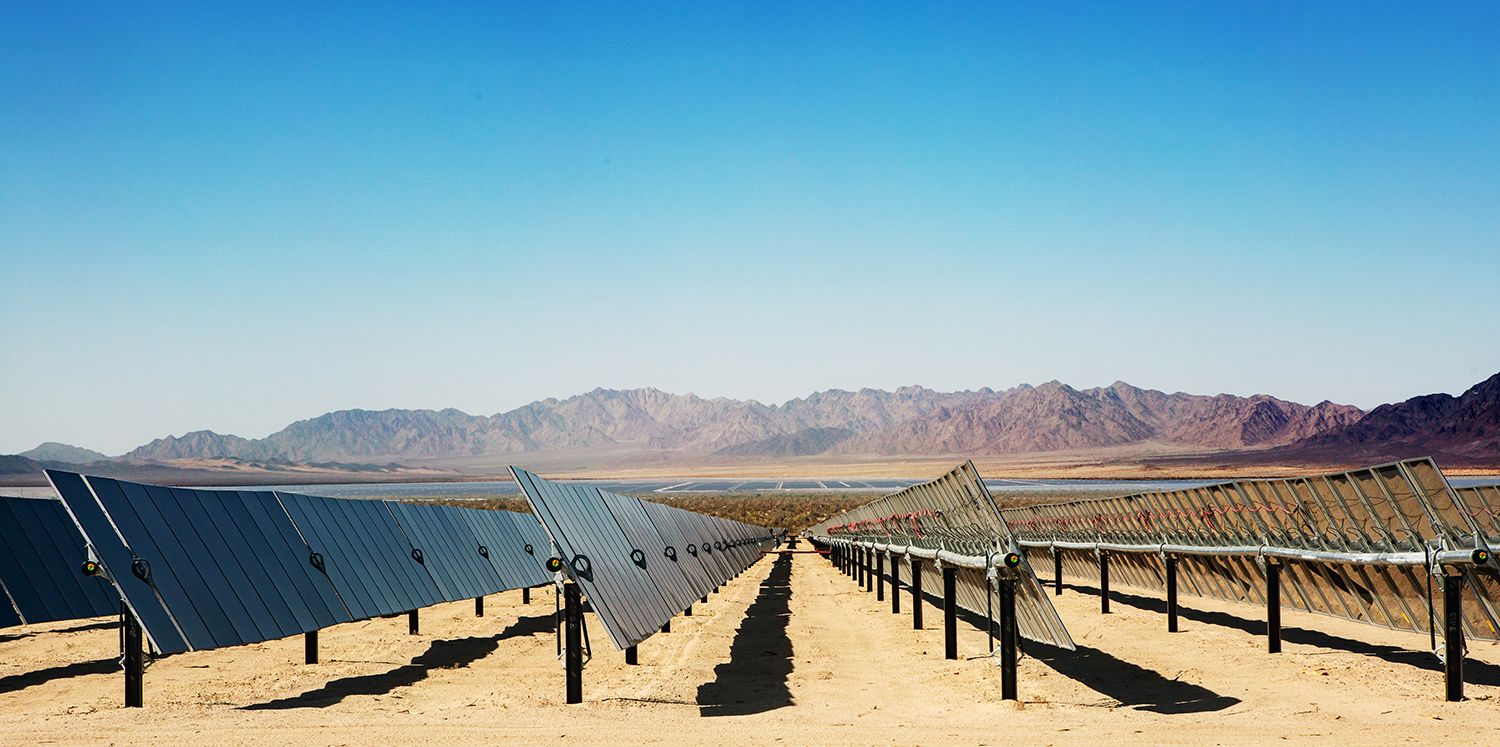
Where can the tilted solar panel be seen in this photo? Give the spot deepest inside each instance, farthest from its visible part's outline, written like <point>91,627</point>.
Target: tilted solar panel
<point>210,568</point>
<point>1403,507</point>
<point>621,556</point>
<point>448,549</point>
<point>41,566</point>
<point>955,513</point>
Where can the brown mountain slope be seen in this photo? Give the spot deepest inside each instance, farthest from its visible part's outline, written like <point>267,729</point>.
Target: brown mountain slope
<point>1055,416</point>
<point>1459,430</point>
<point>910,420</point>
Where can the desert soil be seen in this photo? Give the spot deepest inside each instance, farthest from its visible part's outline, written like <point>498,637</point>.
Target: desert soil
<point>791,652</point>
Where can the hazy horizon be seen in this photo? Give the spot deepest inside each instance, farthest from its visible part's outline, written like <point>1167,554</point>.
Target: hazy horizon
<point>232,219</point>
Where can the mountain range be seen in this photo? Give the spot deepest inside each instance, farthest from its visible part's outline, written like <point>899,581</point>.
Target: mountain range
<point>910,420</point>
<point>836,424</point>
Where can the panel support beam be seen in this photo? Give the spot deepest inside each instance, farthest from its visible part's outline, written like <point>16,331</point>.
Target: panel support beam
<point>1008,639</point>
<point>950,613</point>
<point>479,606</point>
<point>413,627</point>
<point>526,595</point>
<point>310,647</point>
<point>1273,608</point>
<point>916,594</point>
<point>895,587</point>
<point>1171,594</point>
<point>1453,637</point>
<point>1103,583</point>
<point>135,660</point>
<point>573,641</point>
<point>631,657</point>
<point>1056,572</point>
<point>879,577</point>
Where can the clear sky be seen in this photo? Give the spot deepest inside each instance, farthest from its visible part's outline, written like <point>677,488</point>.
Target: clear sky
<point>234,217</point>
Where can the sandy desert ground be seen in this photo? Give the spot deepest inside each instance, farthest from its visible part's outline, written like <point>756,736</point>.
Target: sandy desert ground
<point>791,652</point>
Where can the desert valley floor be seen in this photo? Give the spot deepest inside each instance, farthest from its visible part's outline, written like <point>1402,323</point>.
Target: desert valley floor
<point>791,652</point>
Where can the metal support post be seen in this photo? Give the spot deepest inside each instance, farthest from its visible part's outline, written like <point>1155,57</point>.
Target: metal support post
<point>1273,608</point>
<point>135,660</point>
<point>1007,639</point>
<point>1453,637</point>
<point>1171,594</point>
<point>573,641</point>
<point>1104,583</point>
<point>916,594</point>
<point>950,613</point>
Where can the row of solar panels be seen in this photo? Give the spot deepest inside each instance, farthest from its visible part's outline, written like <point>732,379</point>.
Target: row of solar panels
<point>640,563</point>
<point>956,513</point>
<point>204,569</point>
<point>41,566</point>
<point>1406,506</point>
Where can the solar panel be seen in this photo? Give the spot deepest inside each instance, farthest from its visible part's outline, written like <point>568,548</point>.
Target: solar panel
<point>41,566</point>
<point>500,543</point>
<point>448,549</point>
<point>1404,507</point>
<point>210,568</point>
<point>955,513</point>
<point>621,556</point>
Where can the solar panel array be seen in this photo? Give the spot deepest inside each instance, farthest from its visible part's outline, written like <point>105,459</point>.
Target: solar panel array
<point>1404,507</point>
<point>640,563</point>
<point>203,569</point>
<point>41,566</point>
<point>955,513</point>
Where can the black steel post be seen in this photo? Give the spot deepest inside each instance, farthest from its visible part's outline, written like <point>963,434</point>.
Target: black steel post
<point>916,594</point>
<point>704,600</point>
<point>411,622</point>
<point>859,567</point>
<point>1453,637</point>
<point>950,613</point>
<point>895,587</point>
<point>479,606</point>
<point>310,647</point>
<point>135,660</point>
<point>526,595</point>
<point>573,641</point>
<point>1104,583</point>
<point>666,627</point>
<point>630,655</point>
<point>1007,639</point>
<point>879,577</point>
<point>1056,572</point>
<point>1171,595</point>
<point>1273,607</point>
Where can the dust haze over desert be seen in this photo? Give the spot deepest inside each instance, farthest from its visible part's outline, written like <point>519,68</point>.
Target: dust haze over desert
<point>1203,292</point>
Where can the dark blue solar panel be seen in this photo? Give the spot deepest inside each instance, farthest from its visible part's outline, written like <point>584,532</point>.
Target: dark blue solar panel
<point>226,567</point>
<point>112,552</point>
<point>503,543</point>
<point>533,535</point>
<point>411,585</point>
<point>437,553</point>
<point>346,557</point>
<point>464,546</point>
<point>41,559</point>
<point>307,592</point>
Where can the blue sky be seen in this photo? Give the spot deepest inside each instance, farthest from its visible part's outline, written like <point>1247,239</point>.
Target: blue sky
<point>238,216</point>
